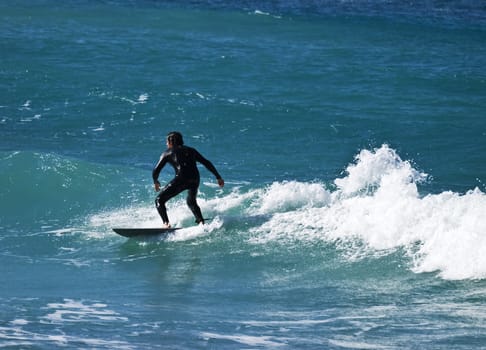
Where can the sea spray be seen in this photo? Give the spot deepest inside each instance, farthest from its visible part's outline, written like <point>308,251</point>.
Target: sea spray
<point>376,169</point>
<point>378,205</point>
<point>291,195</point>
<point>453,239</point>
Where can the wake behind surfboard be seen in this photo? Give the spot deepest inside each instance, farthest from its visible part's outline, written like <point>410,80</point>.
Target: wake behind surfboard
<point>135,232</point>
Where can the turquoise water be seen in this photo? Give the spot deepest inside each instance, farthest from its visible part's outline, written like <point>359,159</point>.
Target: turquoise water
<point>351,136</point>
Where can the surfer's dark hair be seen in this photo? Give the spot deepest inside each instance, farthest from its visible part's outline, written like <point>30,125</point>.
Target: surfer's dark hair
<point>175,138</point>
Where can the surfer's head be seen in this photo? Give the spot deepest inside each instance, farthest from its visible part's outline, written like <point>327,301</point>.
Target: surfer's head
<point>174,138</point>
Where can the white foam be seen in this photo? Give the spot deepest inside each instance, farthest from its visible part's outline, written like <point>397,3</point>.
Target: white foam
<point>26,105</point>
<point>382,167</point>
<point>100,128</point>
<point>16,337</point>
<point>244,339</point>
<point>61,231</point>
<point>378,205</point>
<point>19,322</point>
<point>134,216</point>
<point>454,240</point>
<point>79,311</point>
<point>190,233</point>
<point>350,344</point>
<point>258,12</point>
<point>261,13</point>
<point>286,196</point>
<point>17,333</point>
<point>143,98</point>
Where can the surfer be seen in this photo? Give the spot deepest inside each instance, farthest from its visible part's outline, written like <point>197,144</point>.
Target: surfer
<point>183,159</point>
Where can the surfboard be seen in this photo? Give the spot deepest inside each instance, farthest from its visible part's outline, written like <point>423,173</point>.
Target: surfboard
<point>135,232</point>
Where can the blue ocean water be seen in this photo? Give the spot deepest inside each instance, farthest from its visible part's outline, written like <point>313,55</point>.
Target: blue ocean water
<point>351,135</point>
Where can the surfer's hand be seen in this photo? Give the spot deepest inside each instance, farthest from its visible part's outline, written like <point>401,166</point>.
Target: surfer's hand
<point>157,187</point>
<point>220,182</point>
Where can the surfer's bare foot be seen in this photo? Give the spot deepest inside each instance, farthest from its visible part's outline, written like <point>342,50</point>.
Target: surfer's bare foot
<point>166,225</point>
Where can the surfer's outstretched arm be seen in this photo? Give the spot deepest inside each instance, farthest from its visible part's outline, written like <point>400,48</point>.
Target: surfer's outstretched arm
<point>207,163</point>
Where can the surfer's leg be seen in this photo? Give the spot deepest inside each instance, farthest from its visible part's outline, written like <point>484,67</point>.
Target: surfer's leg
<point>169,191</point>
<point>160,205</point>
<point>192,204</point>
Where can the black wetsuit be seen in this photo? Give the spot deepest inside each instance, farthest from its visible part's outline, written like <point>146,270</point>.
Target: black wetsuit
<point>183,159</point>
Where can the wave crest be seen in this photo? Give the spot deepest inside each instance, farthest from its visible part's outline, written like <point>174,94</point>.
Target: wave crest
<point>378,204</point>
